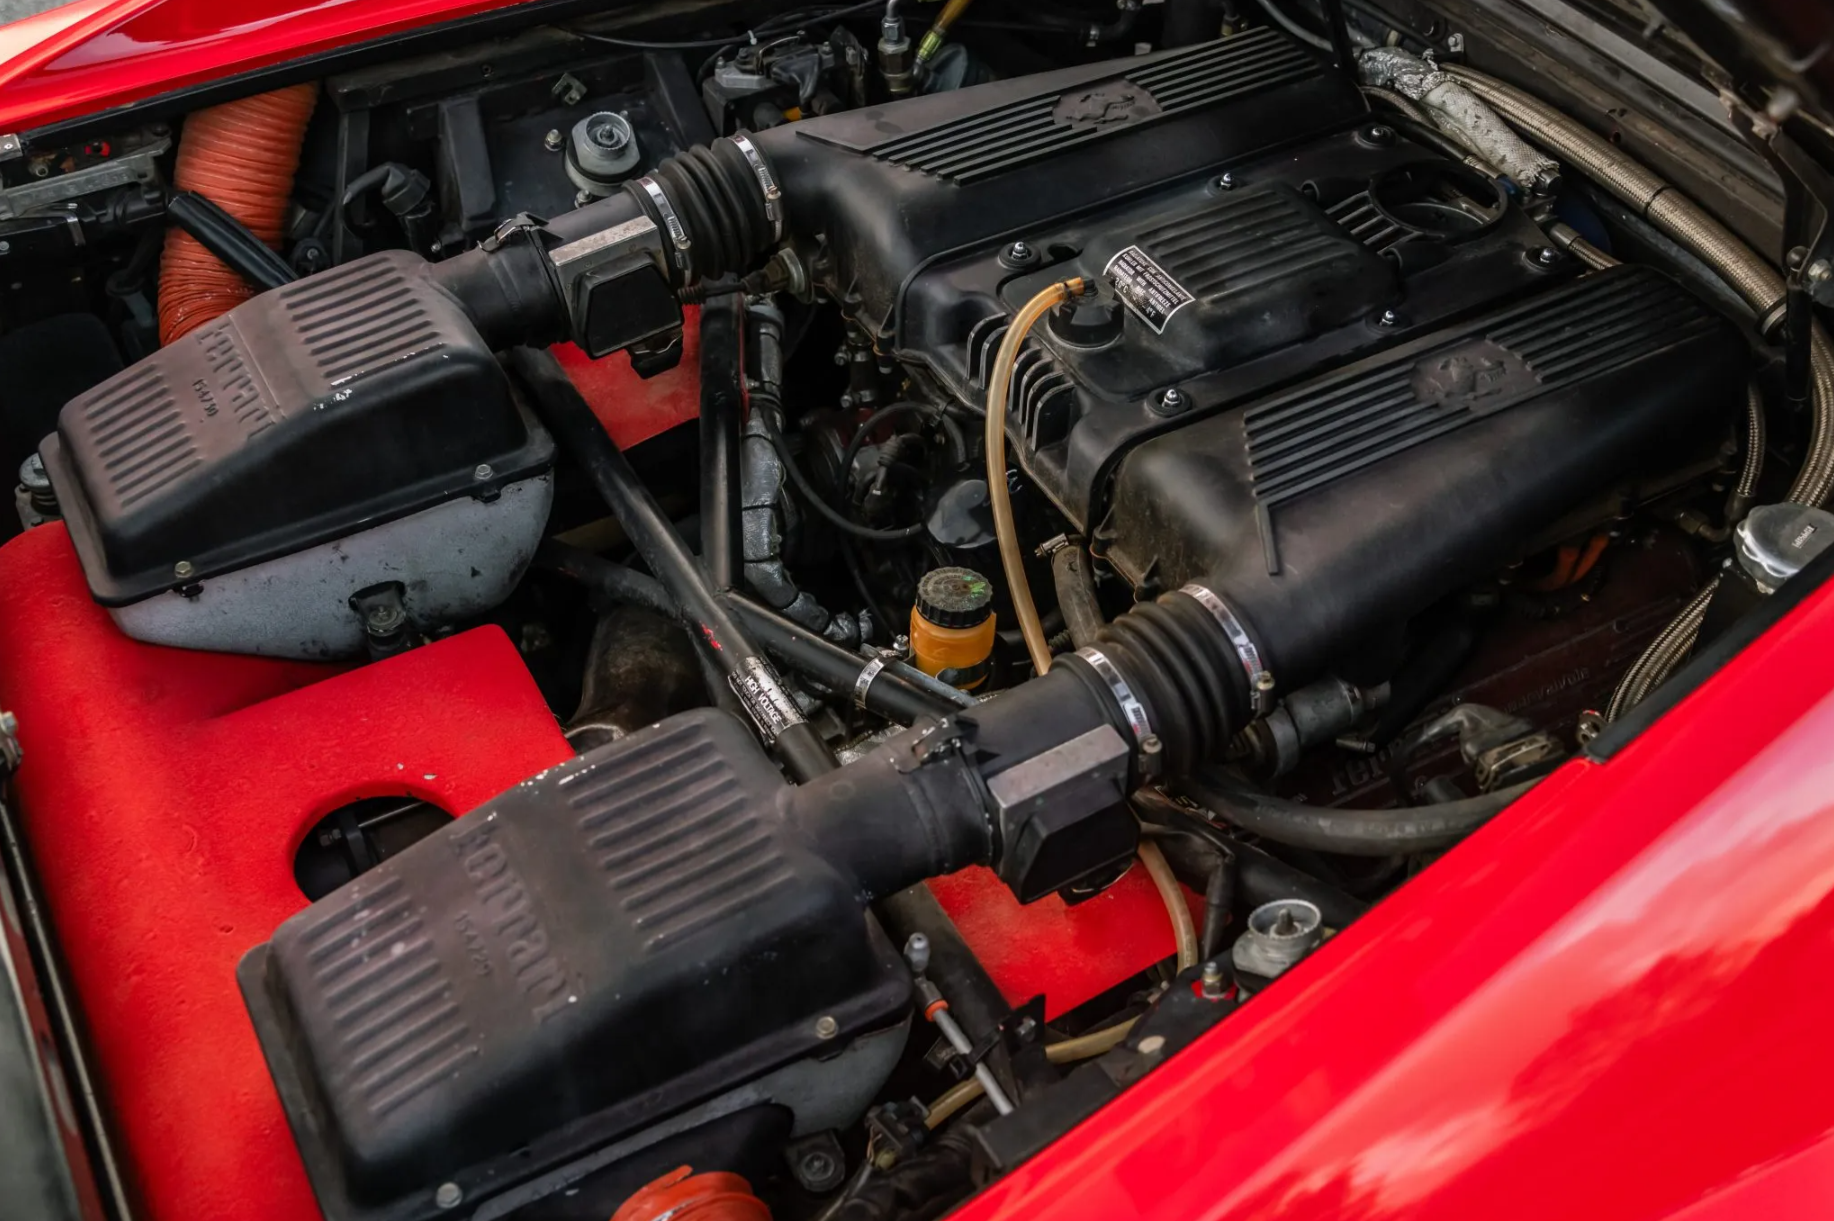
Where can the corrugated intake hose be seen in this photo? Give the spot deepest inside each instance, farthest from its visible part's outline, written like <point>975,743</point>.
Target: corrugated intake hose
<point>240,156</point>
<point>1760,284</point>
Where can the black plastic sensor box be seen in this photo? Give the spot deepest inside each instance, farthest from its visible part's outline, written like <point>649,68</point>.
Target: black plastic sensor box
<point>608,944</point>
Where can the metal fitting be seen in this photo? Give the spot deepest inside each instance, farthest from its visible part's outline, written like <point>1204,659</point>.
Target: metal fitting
<point>1278,935</point>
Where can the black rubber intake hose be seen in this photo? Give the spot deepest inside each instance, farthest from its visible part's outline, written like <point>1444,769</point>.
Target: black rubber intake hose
<point>898,815</point>
<point>1348,832</point>
<point>710,204</point>
<point>719,203</point>
<point>1176,661</point>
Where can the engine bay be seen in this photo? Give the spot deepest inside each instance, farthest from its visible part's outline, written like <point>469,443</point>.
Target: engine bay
<point>808,595</point>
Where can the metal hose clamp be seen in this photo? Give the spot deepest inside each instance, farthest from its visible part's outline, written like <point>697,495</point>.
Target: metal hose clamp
<point>1131,708</point>
<point>767,184</point>
<point>678,233</point>
<point>1260,680</point>
<point>864,682</point>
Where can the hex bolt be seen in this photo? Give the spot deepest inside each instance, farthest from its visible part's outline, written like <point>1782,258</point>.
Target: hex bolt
<point>1547,256</point>
<point>1379,134</point>
<point>553,141</point>
<point>1213,982</point>
<point>6,247</point>
<point>183,569</point>
<point>826,1027</point>
<point>1226,183</point>
<point>1820,271</point>
<point>1455,44</point>
<point>449,1195</point>
<point>1172,401</point>
<point>1388,317</point>
<point>482,471</point>
<point>816,1168</point>
<point>1019,256</point>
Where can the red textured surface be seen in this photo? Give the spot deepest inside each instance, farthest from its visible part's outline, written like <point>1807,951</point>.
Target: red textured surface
<point>164,793</point>
<point>634,409</point>
<point>1069,954</point>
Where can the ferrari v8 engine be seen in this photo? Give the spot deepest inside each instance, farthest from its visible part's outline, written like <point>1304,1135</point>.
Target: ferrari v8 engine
<point>1302,373</point>
<point>1321,366</point>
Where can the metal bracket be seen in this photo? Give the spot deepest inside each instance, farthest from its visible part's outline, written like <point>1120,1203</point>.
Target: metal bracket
<point>139,166</point>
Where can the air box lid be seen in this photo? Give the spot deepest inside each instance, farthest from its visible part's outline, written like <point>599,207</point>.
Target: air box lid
<point>334,404</point>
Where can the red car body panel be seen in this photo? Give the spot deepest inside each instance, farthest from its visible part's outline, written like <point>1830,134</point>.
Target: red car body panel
<point>1606,1004</point>
<point>110,54</point>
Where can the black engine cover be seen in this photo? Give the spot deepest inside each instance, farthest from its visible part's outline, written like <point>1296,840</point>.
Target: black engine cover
<point>1353,500</point>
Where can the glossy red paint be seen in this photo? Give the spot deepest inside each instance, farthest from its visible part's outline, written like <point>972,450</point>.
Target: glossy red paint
<point>1607,1004</point>
<point>163,807</point>
<point>109,54</point>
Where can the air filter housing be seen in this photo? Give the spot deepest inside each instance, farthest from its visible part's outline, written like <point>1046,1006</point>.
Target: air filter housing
<point>235,489</point>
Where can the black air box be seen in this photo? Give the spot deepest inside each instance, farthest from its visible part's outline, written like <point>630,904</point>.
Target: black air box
<point>609,944</point>
<point>359,400</point>
<point>1347,504</point>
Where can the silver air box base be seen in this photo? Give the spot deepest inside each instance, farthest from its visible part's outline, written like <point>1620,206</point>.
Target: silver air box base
<point>234,490</point>
<point>454,561</point>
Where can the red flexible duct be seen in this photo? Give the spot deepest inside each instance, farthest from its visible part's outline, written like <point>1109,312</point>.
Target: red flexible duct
<point>241,156</point>
<point>682,1195</point>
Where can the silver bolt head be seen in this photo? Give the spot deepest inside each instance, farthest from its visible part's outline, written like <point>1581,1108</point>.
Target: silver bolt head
<point>1226,182</point>
<point>1389,318</point>
<point>553,141</point>
<point>183,569</point>
<point>483,471</point>
<point>1820,271</point>
<point>1547,256</point>
<point>826,1027</point>
<point>449,1195</point>
<point>1455,43</point>
<point>6,247</point>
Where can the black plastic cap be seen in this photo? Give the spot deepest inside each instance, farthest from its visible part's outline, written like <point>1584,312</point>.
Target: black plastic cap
<point>954,597</point>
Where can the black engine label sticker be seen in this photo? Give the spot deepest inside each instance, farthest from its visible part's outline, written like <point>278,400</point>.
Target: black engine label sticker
<point>1146,288</point>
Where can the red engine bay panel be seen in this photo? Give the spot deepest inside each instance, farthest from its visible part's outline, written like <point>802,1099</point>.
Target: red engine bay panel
<point>633,409</point>
<point>163,796</point>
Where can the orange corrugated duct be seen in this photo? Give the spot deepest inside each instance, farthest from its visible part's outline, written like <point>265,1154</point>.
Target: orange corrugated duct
<point>682,1195</point>
<point>241,156</point>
